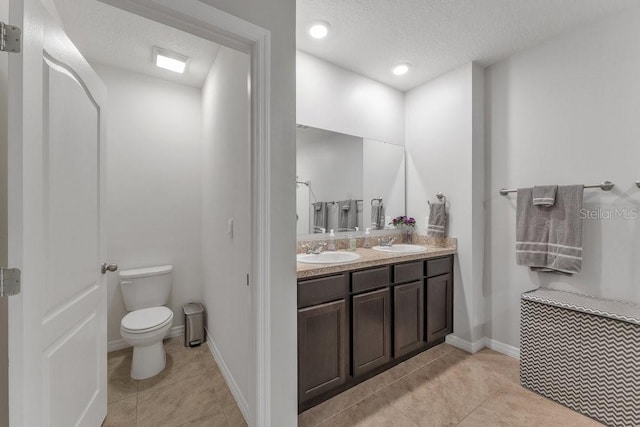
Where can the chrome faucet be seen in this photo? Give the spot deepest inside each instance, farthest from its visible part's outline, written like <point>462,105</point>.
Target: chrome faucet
<point>315,249</point>
<point>320,230</point>
<point>387,241</point>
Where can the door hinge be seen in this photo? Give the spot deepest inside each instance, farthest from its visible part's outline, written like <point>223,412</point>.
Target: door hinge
<point>9,282</point>
<point>247,280</point>
<point>10,38</point>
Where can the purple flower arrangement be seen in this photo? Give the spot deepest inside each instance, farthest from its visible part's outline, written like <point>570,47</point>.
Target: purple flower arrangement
<point>404,220</point>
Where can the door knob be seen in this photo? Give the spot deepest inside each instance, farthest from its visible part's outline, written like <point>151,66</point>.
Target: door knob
<point>109,267</point>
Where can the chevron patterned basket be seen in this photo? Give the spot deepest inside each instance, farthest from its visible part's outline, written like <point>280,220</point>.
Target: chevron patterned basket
<point>582,352</point>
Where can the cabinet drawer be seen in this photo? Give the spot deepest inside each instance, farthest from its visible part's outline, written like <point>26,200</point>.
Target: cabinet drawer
<point>408,272</point>
<point>437,267</point>
<point>369,279</point>
<point>325,289</point>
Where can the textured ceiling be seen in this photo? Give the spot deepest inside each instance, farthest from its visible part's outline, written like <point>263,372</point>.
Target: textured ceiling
<point>435,36</point>
<point>111,36</point>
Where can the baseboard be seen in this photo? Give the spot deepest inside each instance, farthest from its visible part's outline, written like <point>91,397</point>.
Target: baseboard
<point>115,345</point>
<point>474,347</point>
<point>468,346</point>
<point>503,348</point>
<point>226,373</point>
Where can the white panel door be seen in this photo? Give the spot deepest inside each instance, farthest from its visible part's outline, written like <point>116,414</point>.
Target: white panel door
<point>57,326</point>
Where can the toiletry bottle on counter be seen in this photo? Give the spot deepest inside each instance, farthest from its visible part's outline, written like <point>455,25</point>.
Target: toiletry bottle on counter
<point>332,241</point>
<point>367,238</point>
<point>352,242</point>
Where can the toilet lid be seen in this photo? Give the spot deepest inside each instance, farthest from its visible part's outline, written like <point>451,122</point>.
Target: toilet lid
<point>146,319</point>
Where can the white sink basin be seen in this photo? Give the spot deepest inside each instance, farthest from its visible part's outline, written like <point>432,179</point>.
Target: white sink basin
<point>328,258</point>
<point>401,249</point>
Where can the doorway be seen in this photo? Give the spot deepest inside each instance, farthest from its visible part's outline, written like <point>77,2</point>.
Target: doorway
<point>178,187</point>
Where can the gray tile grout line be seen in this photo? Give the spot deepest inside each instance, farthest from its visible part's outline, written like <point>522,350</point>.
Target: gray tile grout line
<point>388,385</point>
<point>476,407</point>
<point>481,403</point>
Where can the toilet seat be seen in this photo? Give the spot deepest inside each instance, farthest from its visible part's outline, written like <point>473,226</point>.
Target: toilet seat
<point>146,320</point>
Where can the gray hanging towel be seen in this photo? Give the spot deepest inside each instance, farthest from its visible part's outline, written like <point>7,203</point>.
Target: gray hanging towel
<point>377,215</point>
<point>320,215</point>
<point>550,239</point>
<point>347,215</point>
<point>544,195</point>
<point>437,226</point>
<point>332,216</point>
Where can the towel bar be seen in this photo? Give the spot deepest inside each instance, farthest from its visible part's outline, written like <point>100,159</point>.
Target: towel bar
<point>605,186</point>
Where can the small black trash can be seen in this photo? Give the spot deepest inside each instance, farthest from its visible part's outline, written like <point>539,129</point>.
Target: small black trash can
<point>193,324</point>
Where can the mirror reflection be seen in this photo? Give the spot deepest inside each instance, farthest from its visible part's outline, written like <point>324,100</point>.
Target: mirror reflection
<point>346,183</point>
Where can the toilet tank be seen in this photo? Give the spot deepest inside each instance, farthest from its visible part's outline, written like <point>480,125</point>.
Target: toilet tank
<point>146,287</point>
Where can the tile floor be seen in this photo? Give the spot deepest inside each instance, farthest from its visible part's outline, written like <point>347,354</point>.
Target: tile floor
<point>444,386</point>
<point>189,392</point>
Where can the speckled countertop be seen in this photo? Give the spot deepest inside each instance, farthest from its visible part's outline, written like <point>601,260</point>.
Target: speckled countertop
<point>371,258</point>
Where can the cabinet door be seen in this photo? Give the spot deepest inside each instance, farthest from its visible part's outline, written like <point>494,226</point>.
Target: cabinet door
<point>439,307</point>
<point>322,348</point>
<point>371,330</point>
<point>408,317</point>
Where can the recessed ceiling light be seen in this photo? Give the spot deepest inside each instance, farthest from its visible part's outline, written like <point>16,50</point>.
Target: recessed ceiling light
<point>170,60</point>
<point>319,29</point>
<point>401,69</point>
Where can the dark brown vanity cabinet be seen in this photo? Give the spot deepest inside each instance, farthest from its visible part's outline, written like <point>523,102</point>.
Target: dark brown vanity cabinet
<point>323,336</point>
<point>439,307</point>
<point>408,307</point>
<point>322,343</point>
<point>356,324</point>
<point>371,330</point>
<point>408,319</point>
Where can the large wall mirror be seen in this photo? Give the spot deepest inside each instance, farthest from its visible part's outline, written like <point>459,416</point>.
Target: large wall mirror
<point>345,181</point>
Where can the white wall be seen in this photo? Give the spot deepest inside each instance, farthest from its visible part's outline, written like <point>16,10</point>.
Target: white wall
<point>566,112</point>
<point>332,98</point>
<point>384,176</point>
<point>444,153</point>
<point>153,184</point>
<point>279,17</point>
<point>226,186</point>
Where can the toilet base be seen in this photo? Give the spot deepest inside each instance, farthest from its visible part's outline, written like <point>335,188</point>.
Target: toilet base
<point>148,360</point>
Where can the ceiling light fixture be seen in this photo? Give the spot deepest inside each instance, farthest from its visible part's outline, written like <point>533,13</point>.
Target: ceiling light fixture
<point>170,60</point>
<point>319,29</point>
<point>401,69</point>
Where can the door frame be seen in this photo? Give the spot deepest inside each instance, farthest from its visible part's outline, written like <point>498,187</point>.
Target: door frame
<point>206,21</point>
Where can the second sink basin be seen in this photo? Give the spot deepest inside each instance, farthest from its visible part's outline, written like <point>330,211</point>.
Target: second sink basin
<point>328,258</point>
<point>401,249</point>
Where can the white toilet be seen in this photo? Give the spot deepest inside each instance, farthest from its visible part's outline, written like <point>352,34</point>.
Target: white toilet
<point>146,292</point>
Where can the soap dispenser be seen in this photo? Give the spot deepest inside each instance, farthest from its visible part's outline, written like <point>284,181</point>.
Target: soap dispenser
<point>332,241</point>
<point>367,238</point>
<point>353,243</point>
